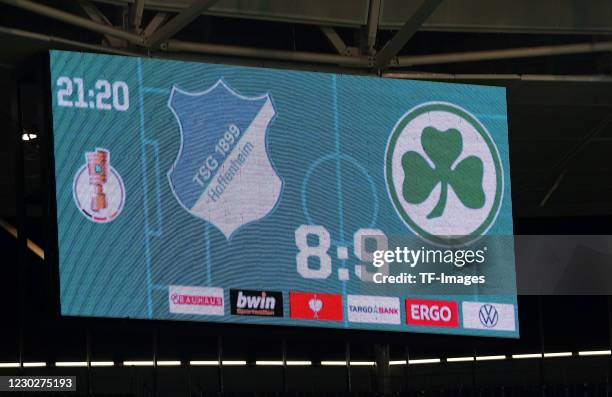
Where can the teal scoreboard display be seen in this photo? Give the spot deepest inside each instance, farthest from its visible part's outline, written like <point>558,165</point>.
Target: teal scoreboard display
<point>207,192</point>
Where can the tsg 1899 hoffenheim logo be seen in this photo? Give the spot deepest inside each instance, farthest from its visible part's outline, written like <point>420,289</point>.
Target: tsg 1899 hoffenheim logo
<point>444,173</point>
<point>223,172</point>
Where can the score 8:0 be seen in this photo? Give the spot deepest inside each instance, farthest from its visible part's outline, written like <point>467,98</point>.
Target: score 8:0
<point>320,251</point>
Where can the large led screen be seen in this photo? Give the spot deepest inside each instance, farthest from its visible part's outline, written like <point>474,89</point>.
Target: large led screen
<point>206,192</point>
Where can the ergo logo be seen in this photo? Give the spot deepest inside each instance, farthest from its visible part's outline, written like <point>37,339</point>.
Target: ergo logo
<point>432,313</point>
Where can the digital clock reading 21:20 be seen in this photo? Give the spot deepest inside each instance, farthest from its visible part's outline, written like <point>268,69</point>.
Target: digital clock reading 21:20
<point>105,95</point>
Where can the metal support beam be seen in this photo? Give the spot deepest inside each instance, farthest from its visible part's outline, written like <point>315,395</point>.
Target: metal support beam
<point>553,188</point>
<point>509,53</point>
<point>155,23</point>
<point>93,12</point>
<point>335,40</point>
<point>346,64</point>
<point>59,41</point>
<point>574,78</point>
<point>22,257</point>
<point>563,164</point>
<point>521,16</point>
<point>347,358</point>
<point>247,52</point>
<point>96,15</point>
<point>372,28</point>
<point>136,15</point>
<point>88,358</point>
<point>284,352</point>
<point>177,23</point>
<point>407,369</point>
<point>383,384</point>
<point>76,20</point>
<point>32,246</point>
<point>542,346</point>
<point>393,46</point>
<point>610,340</point>
<point>155,358</point>
<point>220,360</point>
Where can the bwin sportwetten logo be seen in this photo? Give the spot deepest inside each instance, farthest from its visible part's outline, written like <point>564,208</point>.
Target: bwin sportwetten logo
<point>261,302</point>
<point>256,303</point>
<point>444,174</point>
<point>488,315</point>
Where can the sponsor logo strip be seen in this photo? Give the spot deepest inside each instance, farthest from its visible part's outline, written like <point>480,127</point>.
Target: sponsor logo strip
<point>373,309</point>
<point>256,303</point>
<point>196,300</point>
<point>432,313</point>
<point>488,316</point>
<point>316,306</point>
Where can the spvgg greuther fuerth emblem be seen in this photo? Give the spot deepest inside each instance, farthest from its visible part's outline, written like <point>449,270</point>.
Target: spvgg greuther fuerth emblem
<point>223,173</point>
<point>444,174</point>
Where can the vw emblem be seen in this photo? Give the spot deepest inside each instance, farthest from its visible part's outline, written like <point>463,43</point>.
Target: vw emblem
<point>488,315</point>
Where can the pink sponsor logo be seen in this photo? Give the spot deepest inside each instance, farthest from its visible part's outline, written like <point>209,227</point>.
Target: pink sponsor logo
<point>196,300</point>
<point>181,299</point>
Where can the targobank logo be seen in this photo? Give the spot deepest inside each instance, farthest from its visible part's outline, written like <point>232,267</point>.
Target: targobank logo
<point>223,173</point>
<point>373,309</point>
<point>444,173</point>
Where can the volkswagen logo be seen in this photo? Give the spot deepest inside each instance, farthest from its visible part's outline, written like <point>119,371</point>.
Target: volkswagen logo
<point>488,315</point>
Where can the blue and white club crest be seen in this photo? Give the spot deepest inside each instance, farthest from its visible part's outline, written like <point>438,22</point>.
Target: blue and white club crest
<point>223,173</point>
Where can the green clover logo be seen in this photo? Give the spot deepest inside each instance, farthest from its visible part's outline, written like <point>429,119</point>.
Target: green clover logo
<point>443,149</point>
<point>444,174</point>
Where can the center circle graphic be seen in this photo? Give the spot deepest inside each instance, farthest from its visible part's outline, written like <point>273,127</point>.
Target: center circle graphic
<point>444,174</point>
<point>338,190</point>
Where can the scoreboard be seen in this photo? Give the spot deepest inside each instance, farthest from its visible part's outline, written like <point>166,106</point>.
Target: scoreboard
<point>207,192</point>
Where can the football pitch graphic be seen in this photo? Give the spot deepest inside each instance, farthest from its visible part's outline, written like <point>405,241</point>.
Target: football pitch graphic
<point>203,192</point>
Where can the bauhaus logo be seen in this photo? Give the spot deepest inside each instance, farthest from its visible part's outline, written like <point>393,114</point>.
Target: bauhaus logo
<point>373,309</point>
<point>256,303</point>
<point>196,300</point>
<point>432,313</point>
<point>488,316</point>
<point>316,306</point>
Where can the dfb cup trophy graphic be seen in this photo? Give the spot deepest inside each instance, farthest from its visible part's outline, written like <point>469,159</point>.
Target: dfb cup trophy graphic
<point>97,167</point>
<point>98,190</point>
